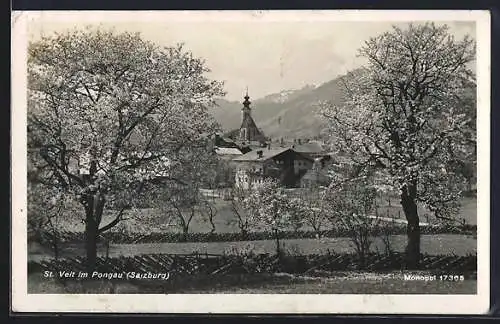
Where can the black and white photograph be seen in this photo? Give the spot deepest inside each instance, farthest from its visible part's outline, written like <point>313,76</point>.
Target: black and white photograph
<point>232,161</point>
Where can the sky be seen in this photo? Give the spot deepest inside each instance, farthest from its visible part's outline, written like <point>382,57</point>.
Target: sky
<point>265,55</point>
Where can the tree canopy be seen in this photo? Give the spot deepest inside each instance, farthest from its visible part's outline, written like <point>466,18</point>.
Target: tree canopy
<point>110,113</point>
<point>410,113</point>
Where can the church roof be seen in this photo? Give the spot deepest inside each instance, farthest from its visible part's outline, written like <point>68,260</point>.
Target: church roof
<point>253,133</point>
<point>248,122</point>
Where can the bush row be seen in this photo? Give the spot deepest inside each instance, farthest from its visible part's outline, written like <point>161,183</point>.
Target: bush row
<point>183,265</point>
<point>169,237</point>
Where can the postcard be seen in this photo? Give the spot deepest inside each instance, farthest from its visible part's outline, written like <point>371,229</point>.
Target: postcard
<point>251,162</point>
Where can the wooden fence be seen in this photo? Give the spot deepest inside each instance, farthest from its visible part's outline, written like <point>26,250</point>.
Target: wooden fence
<point>210,264</point>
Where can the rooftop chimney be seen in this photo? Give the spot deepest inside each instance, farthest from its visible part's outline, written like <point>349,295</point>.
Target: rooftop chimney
<point>268,146</point>
<point>260,154</point>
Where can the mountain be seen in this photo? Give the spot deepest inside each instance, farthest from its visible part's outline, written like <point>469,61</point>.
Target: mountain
<point>293,113</point>
<point>286,95</point>
<point>228,113</point>
<point>290,113</point>
<point>299,118</point>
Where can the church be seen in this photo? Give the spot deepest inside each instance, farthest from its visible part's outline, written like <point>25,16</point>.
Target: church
<point>249,133</point>
<point>248,137</point>
<point>252,158</point>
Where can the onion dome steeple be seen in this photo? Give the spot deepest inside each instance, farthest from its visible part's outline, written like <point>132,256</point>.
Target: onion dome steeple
<point>248,130</point>
<point>247,102</point>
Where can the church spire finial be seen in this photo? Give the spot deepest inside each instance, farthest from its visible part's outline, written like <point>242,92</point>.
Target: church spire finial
<point>246,103</point>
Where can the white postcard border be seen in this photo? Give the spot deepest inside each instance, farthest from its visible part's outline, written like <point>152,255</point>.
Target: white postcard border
<point>247,303</point>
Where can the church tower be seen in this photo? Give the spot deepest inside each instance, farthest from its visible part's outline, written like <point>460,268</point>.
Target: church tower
<point>248,130</point>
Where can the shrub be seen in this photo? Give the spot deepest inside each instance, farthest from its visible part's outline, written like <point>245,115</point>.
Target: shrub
<point>130,237</point>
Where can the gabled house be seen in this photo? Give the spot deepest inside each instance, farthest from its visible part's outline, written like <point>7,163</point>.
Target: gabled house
<point>318,175</point>
<point>222,141</point>
<point>283,164</point>
<point>227,153</point>
<point>311,149</point>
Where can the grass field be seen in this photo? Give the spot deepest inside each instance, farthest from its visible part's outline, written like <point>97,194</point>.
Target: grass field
<point>430,244</point>
<point>336,283</point>
<point>266,283</point>
<point>224,218</point>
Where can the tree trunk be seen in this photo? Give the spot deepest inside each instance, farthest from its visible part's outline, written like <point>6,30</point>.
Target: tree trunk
<point>55,240</point>
<point>91,242</point>
<point>244,233</point>
<point>94,209</point>
<point>55,245</point>
<point>279,255</point>
<point>212,224</point>
<point>408,202</point>
<point>185,230</point>
<point>107,248</point>
<point>276,235</point>
<point>362,259</point>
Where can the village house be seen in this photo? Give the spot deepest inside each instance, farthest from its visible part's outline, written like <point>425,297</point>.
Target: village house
<point>252,158</point>
<point>222,141</point>
<point>283,164</point>
<point>318,175</point>
<point>227,153</point>
<point>312,149</point>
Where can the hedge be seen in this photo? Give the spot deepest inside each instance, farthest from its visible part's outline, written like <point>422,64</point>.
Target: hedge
<point>170,237</point>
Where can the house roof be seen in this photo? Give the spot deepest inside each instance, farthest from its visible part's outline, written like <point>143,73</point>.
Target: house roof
<point>251,144</point>
<point>311,147</point>
<point>231,134</point>
<point>227,151</point>
<point>221,141</point>
<point>242,142</point>
<point>266,154</point>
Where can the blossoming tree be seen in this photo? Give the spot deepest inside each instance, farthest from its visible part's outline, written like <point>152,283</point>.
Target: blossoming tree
<point>111,115</point>
<point>408,115</point>
<point>268,204</point>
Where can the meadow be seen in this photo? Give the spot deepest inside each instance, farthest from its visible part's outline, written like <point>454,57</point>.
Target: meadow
<point>351,283</point>
<point>224,223</point>
<point>154,219</point>
<point>430,244</point>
